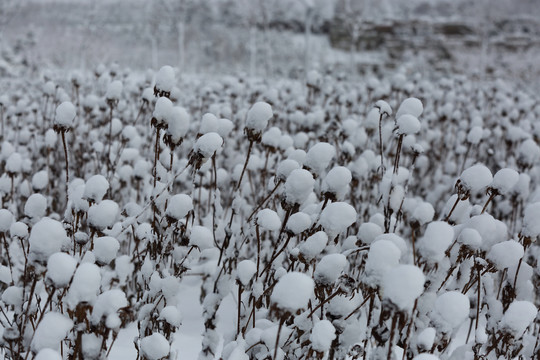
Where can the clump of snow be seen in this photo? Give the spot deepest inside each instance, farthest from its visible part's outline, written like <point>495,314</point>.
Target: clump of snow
<point>165,78</point>
<point>179,206</point>
<point>475,135</point>
<point>95,188</point>
<point>425,356</point>
<point>6,219</point>
<point>298,223</point>
<point>384,107</point>
<point>114,90</point>
<point>155,346</point>
<point>208,144</point>
<point>453,307</point>
<point>245,271</point>
<point>383,255</point>
<point>476,178</point>
<point>171,315</point>
<point>408,124</point>
<point>368,231</point>
<point>105,249</point>
<point>107,304</point>
<point>50,331</point>
<point>319,157</point>
<point>178,124</point>
<point>85,285</point>
<point>426,338</point>
<point>322,335</point>
<point>504,180</point>
<point>201,237</point>
<point>470,237</point>
<point>299,186</point>
<point>313,245</point>
<point>437,238</point>
<point>518,316</point>
<point>337,181</point>
<point>103,215</point>
<point>163,111</point>
<point>293,291</point>
<point>13,296</point>
<point>423,213</point>
<point>330,268</point>
<point>46,238</point>
<point>531,225</point>
<point>403,284</point>
<point>258,116</point>
<point>285,168</point>
<point>411,106</point>
<point>60,268</point>
<point>36,206</point>
<point>268,220</point>
<point>48,354</point>
<point>65,115</point>
<point>506,254</point>
<point>337,217</point>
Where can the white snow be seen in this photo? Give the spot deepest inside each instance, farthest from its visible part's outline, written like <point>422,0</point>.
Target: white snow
<point>85,285</point>
<point>285,168</point>
<point>330,268</point>
<point>179,206</point>
<point>208,144</point>
<point>384,107</point>
<point>155,346</point>
<point>368,231</point>
<point>313,245</point>
<point>105,249</point>
<point>298,186</point>
<point>410,106</point>
<point>383,255</point>
<point>172,315</point>
<point>319,157</point>
<point>95,188</point>
<point>518,316</point>
<point>437,238</point>
<point>178,123</point>
<point>476,178</point>
<point>165,78</point>
<point>108,303</point>
<point>408,124</point>
<point>506,254</point>
<point>299,222</point>
<point>201,237</point>
<point>114,90</point>
<point>46,238</point>
<point>60,268</point>
<point>103,215</point>
<point>293,291</point>
<point>531,225</point>
<point>423,213</point>
<point>50,331</point>
<point>322,335</point>
<point>245,270</point>
<point>13,296</point>
<point>337,181</point>
<point>65,115</point>
<point>403,284</point>
<point>35,206</point>
<point>258,116</point>
<point>268,219</point>
<point>163,110</point>
<point>48,354</point>
<point>337,217</point>
<point>504,180</point>
<point>453,307</point>
<point>470,237</point>
<point>6,219</point>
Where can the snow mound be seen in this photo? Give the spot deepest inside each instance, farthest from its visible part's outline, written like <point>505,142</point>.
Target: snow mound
<point>293,291</point>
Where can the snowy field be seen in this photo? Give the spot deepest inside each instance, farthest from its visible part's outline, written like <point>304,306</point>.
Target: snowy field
<point>272,212</point>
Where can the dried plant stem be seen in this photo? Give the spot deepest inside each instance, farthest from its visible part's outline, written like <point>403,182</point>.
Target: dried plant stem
<point>245,165</point>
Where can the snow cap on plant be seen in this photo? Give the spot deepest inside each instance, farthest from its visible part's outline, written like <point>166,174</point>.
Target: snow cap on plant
<point>257,120</point>
<point>164,81</point>
<point>319,157</point>
<point>298,187</point>
<point>411,106</point>
<point>475,179</point>
<point>46,238</point>
<point>293,291</point>
<point>402,285</point>
<point>179,206</point>
<point>65,115</point>
<point>384,108</point>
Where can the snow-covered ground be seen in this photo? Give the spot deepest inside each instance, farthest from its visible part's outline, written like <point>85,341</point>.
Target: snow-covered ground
<point>277,212</point>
